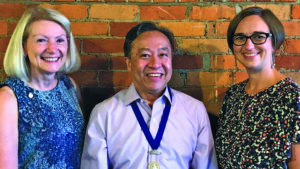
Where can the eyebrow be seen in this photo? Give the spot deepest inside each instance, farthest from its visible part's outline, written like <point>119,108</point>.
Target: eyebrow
<point>62,35</point>
<point>255,32</point>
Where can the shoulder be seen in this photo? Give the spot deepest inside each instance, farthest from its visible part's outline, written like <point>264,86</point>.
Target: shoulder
<point>8,97</point>
<point>187,100</point>
<point>116,101</point>
<point>68,81</point>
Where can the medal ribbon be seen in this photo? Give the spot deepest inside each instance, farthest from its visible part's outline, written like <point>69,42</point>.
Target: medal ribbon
<point>154,143</point>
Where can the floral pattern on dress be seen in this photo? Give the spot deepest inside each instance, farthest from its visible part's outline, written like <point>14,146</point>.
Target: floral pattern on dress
<point>257,131</point>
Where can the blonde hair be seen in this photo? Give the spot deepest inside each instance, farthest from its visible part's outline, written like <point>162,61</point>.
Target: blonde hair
<point>15,62</point>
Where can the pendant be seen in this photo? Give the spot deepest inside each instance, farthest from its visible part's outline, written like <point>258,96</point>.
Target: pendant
<point>154,152</point>
<point>153,165</point>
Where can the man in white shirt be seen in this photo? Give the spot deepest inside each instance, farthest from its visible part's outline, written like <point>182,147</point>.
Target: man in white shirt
<point>149,125</point>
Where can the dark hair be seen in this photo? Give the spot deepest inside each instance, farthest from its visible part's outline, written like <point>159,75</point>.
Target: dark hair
<point>141,28</point>
<point>274,24</point>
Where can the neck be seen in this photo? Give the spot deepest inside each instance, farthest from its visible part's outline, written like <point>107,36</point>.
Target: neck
<point>150,97</point>
<point>262,80</point>
<point>43,83</point>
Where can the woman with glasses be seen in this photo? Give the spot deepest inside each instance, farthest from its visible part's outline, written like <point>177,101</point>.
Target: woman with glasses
<point>259,120</point>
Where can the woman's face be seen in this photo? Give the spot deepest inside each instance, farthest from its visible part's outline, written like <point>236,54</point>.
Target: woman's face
<point>46,47</point>
<point>254,57</point>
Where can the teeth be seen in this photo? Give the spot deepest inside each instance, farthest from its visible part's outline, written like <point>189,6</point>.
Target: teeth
<point>154,74</point>
<point>250,54</point>
<point>51,59</point>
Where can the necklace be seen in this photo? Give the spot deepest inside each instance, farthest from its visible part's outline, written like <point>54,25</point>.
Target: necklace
<point>241,110</point>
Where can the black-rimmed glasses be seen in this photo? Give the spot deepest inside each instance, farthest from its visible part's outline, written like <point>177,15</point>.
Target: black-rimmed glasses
<point>256,38</point>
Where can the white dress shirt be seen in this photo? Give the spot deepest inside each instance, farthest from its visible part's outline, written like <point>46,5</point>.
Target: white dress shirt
<point>114,137</point>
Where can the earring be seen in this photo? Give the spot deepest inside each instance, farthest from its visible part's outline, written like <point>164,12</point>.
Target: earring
<point>272,61</point>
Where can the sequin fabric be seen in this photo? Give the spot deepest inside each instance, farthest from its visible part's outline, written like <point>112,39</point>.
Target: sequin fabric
<point>50,126</point>
<point>268,124</point>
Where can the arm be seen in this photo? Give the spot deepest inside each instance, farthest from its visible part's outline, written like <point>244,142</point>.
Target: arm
<point>78,94</point>
<point>8,129</point>
<point>95,154</point>
<point>204,154</point>
<point>294,161</point>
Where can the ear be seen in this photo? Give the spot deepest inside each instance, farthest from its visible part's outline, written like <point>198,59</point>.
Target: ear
<point>128,63</point>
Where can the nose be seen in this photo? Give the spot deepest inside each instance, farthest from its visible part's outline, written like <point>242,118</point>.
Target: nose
<point>154,61</point>
<point>51,47</point>
<point>249,44</point>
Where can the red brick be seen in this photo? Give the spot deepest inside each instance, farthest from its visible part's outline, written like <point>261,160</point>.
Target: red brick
<point>287,62</point>
<point>213,94</point>
<point>139,1</point>
<point>295,11</point>
<point>11,10</point>
<point>195,92</point>
<point>3,27</point>
<point>118,12</point>
<point>114,0</point>
<point>292,45</point>
<point>177,80</point>
<point>213,108</point>
<point>260,0</point>
<point>11,26</point>
<point>70,11</point>
<point>294,75</point>
<point>3,76</point>
<point>212,0</point>
<point>90,28</point>
<point>209,78</point>
<point>285,0</point>
<point>221,28</point>
<point>121,28</point>
<point>213,12</point>
<point>204,45</point>
<point>94,62</point>
<point>118,62</point>
<point>78,46</point>
<point>111,79</point>
<point>85,78</point>
<point>240,76</point>
<point>189,1</point>
<point>240,66</point>
<point>187,62</point>
<point>163,0</point>
<point>281,11</point>
<point>222,62</point>
<point>1,61</point>
<point>103,45</point>
<point>163,12</point>
<point>291,28</point>
<point>3,44</point>
<point>210,29</point>
<point>185,28</point>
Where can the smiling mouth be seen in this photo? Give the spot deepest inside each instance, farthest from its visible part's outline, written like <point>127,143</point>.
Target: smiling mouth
<point>49,59</point>
<point>249,55</point>
<point>154,74</point>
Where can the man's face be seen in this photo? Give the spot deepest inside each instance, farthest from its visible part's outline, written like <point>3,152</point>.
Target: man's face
<point>150,64</point>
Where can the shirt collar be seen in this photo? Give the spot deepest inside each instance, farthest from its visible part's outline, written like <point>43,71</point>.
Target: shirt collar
<point>132,94</point>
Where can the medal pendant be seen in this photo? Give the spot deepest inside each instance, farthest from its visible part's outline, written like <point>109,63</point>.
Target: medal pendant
<point>153,165</point>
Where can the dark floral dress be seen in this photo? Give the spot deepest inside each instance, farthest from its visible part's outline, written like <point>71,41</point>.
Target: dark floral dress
<point>257,131</point>
<point>50,124</point>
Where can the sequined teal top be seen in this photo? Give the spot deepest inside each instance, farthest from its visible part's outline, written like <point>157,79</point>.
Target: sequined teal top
<point>50,126</point>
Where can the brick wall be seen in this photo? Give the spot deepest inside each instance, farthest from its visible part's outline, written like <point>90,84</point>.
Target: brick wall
<point>203,65</point>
